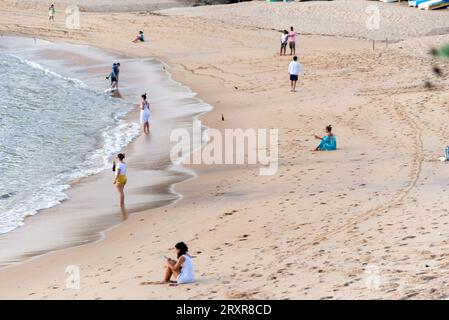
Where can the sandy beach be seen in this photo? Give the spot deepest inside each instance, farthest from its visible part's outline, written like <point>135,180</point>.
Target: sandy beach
<point>325,223</point>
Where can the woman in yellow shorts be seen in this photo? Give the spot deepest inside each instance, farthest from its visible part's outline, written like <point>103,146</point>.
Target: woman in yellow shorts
<point>120,181</point>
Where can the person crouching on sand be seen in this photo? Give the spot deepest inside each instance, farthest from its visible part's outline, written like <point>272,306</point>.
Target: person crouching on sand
<point>120,181</point>
<point>294,69</point>
<point>145,114</point>
<point>140,37</point>
<point>182,268</point>
<point>328,142</point>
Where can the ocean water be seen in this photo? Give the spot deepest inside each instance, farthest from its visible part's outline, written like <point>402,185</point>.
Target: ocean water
<point>57,124</point>
<point>53,129</point>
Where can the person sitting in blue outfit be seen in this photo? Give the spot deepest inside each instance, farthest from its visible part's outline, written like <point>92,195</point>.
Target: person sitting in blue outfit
<point>328,142</point>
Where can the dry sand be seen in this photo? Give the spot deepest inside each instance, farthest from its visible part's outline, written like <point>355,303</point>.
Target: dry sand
<point>347,18</point>
<point>100,5</point>
<point>367,221</point>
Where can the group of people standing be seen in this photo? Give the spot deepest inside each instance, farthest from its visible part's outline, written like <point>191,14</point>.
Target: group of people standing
<point>294,68</point>
<point>290,39</point>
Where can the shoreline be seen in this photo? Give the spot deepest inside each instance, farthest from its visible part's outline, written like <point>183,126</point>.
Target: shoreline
<point>308,232</point>
<point>57,216</point>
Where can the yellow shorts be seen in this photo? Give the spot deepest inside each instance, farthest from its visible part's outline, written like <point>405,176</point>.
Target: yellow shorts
<point>121,180</point>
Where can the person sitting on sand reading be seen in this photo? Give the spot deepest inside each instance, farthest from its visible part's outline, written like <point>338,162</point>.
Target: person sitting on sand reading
<point>182,268</point>
<point>120,181</point>
<point>294,69</point>
<point>284,41</point>
<point>140,37</point>
<point>51,13</point>
<point>328,142</point>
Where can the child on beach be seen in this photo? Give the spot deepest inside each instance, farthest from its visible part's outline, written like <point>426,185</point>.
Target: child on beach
<point>284,41</point>
<point>292,41</point>
<point>120,181</point>
<point>182,268</point>
<point>294,69</point>
<point>145,114</point>
<point>113,77</point>
<point>328,142</point>
<point>140,37</point>
<point>51,13</point>
<point>116,70</point>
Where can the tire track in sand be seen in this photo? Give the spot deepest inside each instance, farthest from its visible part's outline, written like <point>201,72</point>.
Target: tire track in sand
<point>396,200</point>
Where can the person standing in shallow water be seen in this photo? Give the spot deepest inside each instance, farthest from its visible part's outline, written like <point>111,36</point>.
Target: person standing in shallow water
<point>120,181</point>
<point>145,114</point>
<point>116,71</point>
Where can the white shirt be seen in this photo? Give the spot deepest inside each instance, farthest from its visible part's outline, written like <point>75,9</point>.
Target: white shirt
<point>284,38</point>
<point>295,68</point>
<point>121,168</point>
<point>187,274</point>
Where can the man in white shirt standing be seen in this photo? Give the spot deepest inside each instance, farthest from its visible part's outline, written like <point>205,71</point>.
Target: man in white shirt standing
<point>294,69</point>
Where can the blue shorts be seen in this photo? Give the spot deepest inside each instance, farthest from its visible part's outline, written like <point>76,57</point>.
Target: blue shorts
<point>294,77</point>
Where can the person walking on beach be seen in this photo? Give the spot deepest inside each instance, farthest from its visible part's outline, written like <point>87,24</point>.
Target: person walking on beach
<point>51,13</point>
<point>294,69</point>
<point>182,268</point>
<point>292,41</point>
<point>284,41</point>
<point>145,114</point>
<point>120,181</point>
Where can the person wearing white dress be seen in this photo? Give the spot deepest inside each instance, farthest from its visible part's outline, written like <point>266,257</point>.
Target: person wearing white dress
<point>145,114</point>
<point>182,269</point>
